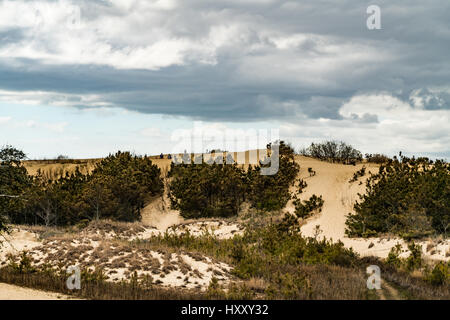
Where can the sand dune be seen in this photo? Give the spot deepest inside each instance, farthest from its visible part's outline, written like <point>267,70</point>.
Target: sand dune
<point>332,182</point>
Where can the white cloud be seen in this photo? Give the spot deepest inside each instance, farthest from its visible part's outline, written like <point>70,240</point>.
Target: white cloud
<point>151,132</point>
<point>57,127</point>
<point>53,98</point>
<point>128,35</point>
<point>4,120</point>
<point>237,60</point>
<point>400,127</point>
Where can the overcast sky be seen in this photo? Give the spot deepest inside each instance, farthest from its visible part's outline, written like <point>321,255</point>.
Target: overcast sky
<point>85,78</point>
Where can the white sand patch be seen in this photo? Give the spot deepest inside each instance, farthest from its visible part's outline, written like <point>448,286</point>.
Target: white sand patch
<point>17,241</point>
<point>220,229</point>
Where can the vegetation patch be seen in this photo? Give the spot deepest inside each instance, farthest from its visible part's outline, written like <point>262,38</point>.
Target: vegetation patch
<point>219,189</point>
<point>333,151</point>
<point>407,197</point>
<point>117,189</point>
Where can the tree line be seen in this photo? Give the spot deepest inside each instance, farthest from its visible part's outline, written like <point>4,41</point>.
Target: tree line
<point>334,151</point>
<point>117,189</point>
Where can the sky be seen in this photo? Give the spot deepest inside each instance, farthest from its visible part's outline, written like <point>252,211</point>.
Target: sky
<point>88,78</point>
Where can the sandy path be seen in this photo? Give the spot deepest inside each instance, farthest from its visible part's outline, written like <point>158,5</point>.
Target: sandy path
<point>11,292</point>
<point>331,181</point>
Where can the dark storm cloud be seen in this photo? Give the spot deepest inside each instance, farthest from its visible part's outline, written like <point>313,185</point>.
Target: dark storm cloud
<point>240,60</point>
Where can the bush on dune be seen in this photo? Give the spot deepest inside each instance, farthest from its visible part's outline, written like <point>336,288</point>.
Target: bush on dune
<point>271,192</point>
<point>116,189</point>
<point>203,190</point>
<point>218,189</point>
<point>334,151</point>
<point>14,181</point>
<point>408,197</point>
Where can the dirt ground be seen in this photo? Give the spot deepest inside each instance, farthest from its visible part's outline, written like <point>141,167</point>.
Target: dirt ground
<point>10,292</point>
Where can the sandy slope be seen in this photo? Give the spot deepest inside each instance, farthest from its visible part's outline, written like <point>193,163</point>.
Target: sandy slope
<point>332,182</point>
<point>15,242</point>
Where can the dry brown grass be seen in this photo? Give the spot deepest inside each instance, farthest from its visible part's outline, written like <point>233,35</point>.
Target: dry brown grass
<point>97,289</point>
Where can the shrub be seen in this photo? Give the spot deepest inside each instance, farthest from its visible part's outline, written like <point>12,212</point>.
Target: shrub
<point>311,172</point>
<point>358,174</point>
<point>333,151</point>
<point>271,192</point>
<point>393,258</point>
<point>116,189</point>
<point>301,185</point>
<point>203,190</point>
<point>440,274</point>
<point>218,189</point>
<point>414,261</point>
<point>408,197</point>
<point>14,182</point>
<point>377,158</point>
<point>306,208</point>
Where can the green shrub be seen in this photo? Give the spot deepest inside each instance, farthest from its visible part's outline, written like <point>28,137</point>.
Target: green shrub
<point>377,158</point>
<point>218,189</point>
<point>393,258</point>
<point>116,189</point>
<point>307,208</point>
<point>203,190</point>
<point>408,197</point>
<point>14,182</point>
<point>357,174</point>
<point>333,151</point>
<point>271,192</point>
<point>440,274</point>
<point>414,260</point>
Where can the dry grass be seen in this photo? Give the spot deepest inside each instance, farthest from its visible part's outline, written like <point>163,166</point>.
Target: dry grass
<point>410,285</point>
<point>98,289</point>
<point>119,259</point>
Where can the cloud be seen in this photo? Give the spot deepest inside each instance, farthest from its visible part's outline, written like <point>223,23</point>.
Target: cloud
<point>56,127</point>
<point>236,61</point>
<point>151,132</point>
<point>399,127</point>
